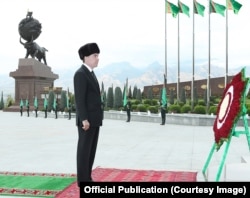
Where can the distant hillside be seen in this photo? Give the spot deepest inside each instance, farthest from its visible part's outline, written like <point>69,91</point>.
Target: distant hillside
<point>115,74</point>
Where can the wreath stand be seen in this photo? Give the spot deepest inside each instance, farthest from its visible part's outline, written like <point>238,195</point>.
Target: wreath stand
<point>235,133</point>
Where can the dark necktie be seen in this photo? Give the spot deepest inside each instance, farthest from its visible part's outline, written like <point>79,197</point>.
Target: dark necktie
<point>93,74</point>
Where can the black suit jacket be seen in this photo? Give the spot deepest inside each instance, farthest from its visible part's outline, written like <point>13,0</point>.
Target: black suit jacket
<point>87,98</point>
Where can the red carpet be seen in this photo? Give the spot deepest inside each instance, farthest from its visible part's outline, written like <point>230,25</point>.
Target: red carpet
<point>126,175</point>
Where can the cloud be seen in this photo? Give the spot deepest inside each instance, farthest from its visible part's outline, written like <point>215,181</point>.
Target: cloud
<point>126,30</point>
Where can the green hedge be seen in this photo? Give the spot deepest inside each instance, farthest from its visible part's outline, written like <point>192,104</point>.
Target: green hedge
<point>199,109</point>
<point>141,108</point>
<point>175,108</point>
<point>153,109</point>
<point>213,110</point>
<point>186,108</point>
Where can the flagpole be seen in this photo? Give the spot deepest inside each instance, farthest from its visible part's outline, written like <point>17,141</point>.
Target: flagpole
<point>192,85</point>
<point>226,76</point>
<point>166,62</point>
<point>209,58</point>
<point>178,80</point>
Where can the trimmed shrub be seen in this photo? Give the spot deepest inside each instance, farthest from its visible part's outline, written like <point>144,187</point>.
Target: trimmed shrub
<point>137,102</point>
<point>217,100</point>
<point>248,110</point>
<point>154,102</point>
<point>181,103</point>
<point>147,101</point>
<point>153,109</point>
<point>212,110</point>
<point>186,108</point>
<point>199,109</point>
<point>201,103</point>
<point>175,108</point>
<point>141,108</point>
<point>133,107</point>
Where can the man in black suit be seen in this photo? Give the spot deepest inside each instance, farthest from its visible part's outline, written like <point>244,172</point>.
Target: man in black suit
<point>128,109</point>
<point>163,113</point>
<point>89,113</point>
<point>28,108</point>
<point>69,110</point>
<point>45,110</point>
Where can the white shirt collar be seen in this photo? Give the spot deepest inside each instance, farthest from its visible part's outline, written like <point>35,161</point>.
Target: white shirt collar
<point>89,68</point>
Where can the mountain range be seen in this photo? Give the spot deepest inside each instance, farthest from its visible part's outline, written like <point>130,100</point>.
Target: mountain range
<point>115,74</point>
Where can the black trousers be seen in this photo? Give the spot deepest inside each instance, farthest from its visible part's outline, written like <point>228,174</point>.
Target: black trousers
<point>86,150</point>
<point>128,115</point>
<point>163,116</point>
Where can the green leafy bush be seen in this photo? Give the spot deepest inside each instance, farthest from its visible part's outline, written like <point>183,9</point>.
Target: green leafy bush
<point>248,110</point>
<point>181,104</point>
<point>212,110</point>
<point>186,108</point>
<point>153,109</point>
<point>175,108</point>
<point>133,107</point>
<point>141,108</point>
<point>147,101</point>
<point>137,102</point>
<point>201,103</point>
<point>199,109</point>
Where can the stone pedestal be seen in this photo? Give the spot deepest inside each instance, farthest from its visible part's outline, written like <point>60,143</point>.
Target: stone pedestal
<point>30,79</point>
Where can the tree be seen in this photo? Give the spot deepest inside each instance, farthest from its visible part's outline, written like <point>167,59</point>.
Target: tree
<point>110,97</point>
<point>104,99</point>
<point>138,95</point>
<point>135,92</point>
<point>103,96</point>
<point>171,97</point>
<point>10,101</point>
<point>51,100</point>
<point>63,101</point>
<point>150,94</point>
<point>183,95</point>
<point>118,98</point>
<point>129,92</point>
<point>1,102</point>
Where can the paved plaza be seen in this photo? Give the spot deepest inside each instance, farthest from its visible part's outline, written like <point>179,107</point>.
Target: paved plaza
<point>49,145</point>
<point>30,144</point>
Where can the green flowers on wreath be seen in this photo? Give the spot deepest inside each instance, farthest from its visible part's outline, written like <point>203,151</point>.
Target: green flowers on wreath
<point>230,108</point>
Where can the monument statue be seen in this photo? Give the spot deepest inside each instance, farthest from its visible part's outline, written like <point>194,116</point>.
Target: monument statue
<point>32,75</point>
<point>29,30</point>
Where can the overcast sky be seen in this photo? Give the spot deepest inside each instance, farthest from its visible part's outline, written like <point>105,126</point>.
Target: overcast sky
<point>125,30</point>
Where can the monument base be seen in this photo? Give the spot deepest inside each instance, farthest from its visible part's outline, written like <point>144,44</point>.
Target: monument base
<point>31,78</point>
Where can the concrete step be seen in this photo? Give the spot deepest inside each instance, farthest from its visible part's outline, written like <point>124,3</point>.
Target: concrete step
<point>238,172</point>
<point>245,159</point>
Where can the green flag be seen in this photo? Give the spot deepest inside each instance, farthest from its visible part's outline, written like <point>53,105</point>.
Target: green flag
<point>35,102</point>
<point>21,103</point>
<point>217,8</point>
<point>164,97</point>
<point>27,103</point>
<point>164,94</point>
<point>54,103</point>
<point>183,8</point>
<point>45,103</point>
<point>198,8</point>
<point>172,9</point>
<point>125,100</point>
<point>233,5</point>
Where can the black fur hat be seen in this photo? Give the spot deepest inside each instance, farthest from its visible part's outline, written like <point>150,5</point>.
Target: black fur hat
<point>88,49</point>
